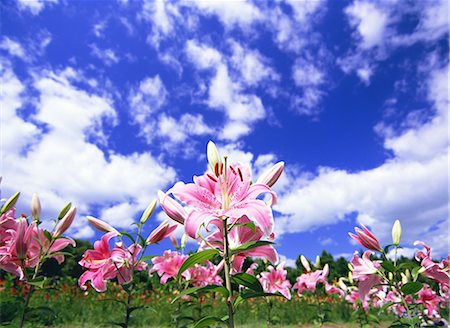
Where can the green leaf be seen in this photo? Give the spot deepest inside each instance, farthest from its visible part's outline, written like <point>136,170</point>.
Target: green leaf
<point>386,305</point>
<point>387,248</point>
<point>146,258</point>
<point>250,245</point>
<point>196,258</point>
<point>252,294</point>
<point>205,289</point>
<point>207,321</point>
<point>39,282</point>
<point>126,234</point>
<point>247,280</point>
<point>406,265</point>
<point>411,287</point>
<point>388,266</point>
<point>47,235</point>
<point>249,225</point>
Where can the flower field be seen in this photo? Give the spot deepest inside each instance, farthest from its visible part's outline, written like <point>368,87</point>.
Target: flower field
<point>235,278</point>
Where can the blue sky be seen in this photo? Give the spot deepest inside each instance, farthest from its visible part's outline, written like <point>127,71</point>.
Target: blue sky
<point>106,102</point>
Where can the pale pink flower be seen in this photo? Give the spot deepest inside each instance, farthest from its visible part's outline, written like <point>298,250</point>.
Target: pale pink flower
<point>101,225</point>
<point>271,176</point>
<point>238,236</point>
<point>275,281</point>
<point>214,196</point>
<point>331,289</point>
<point>366,239</point>
<point>168,265</point>
<point>365,272</point>
<point>439,272</point>
<point>353,297</point>
<point>161,232</point>
<point>65,222</point>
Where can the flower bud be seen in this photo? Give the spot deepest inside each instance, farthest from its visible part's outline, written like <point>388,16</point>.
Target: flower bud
<point>366,239</point>
<point>171,207</point>
<point>305,263</point>
<point>317,264</point>
<point>148,211</point>
<point>214,159</point>
<point>65,222</point>
<point>404,278</point>
<point>10,203</point>
<point>390,275</point>
<point>101,225</point>
<point>271,176</point>
<point>161,232</point>
<point>64,211</point>
<point>183,241</point>
<point>22,240</point>
<point>35,207</point>
<point>174,241</point>
<point>396,232</point>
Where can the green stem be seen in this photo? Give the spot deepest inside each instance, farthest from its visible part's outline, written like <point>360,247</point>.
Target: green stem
<point>127,313</point>
<point>25,307</point>
<point>227,268</point>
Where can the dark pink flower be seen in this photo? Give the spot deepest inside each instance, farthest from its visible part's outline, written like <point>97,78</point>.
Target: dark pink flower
<point>168,265</point>
<point>161,232</point>
<point>308,281</point>
<point>430,300</point>
<point>275,281</point>
<point>203,275</point>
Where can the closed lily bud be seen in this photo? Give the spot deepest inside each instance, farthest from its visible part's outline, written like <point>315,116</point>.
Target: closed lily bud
<point>214,159</point>
<point>174,241</point>
<point>317,264</point>
<point>161,232</point>
<point>35,207</point>
<point>271,176</point>
<point>408,274</point>
<point>183,241</point>
<point>396,232</point>
<point>101,225</point>
<point>64,211</point>
<point>342,285</point>
<point>390,275</point>
<point>305,263</point>
<point>148,211</point>
<point>65,222</point>
<point>10,203</point>
<point>171,207</point>
<point>366,239</point>
<point>22,240</point>
<point>404,278</point>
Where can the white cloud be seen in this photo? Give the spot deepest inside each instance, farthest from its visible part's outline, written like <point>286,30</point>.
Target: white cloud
<point>14,48</point>
<point>253,67</point>
<point>59,163</point>
<point>289,263</point>
<point>231,13</point>
<point>412,186</point>
<point>34,6</point>
<point>378,31</point>
<point>107,56</point>
<point>177,131</point>
<point>225,93</point>
<point>370,21</point>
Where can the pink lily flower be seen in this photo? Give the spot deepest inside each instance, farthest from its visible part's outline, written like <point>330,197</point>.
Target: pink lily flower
<point>201,276</point>
<point>161,232</point>
<point>431,301</point>
<point>366,239</point>
<point>220,194</point>
<point>365,272</point>
<point>331,289</point>
<point>22,245</point>
<point>167,266</point>
<point>238,236</point>
<point>308,281</point>
<point>104,264</point>
<point>439,272</point>
<point>354,296</point>
<point>275,281</point>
